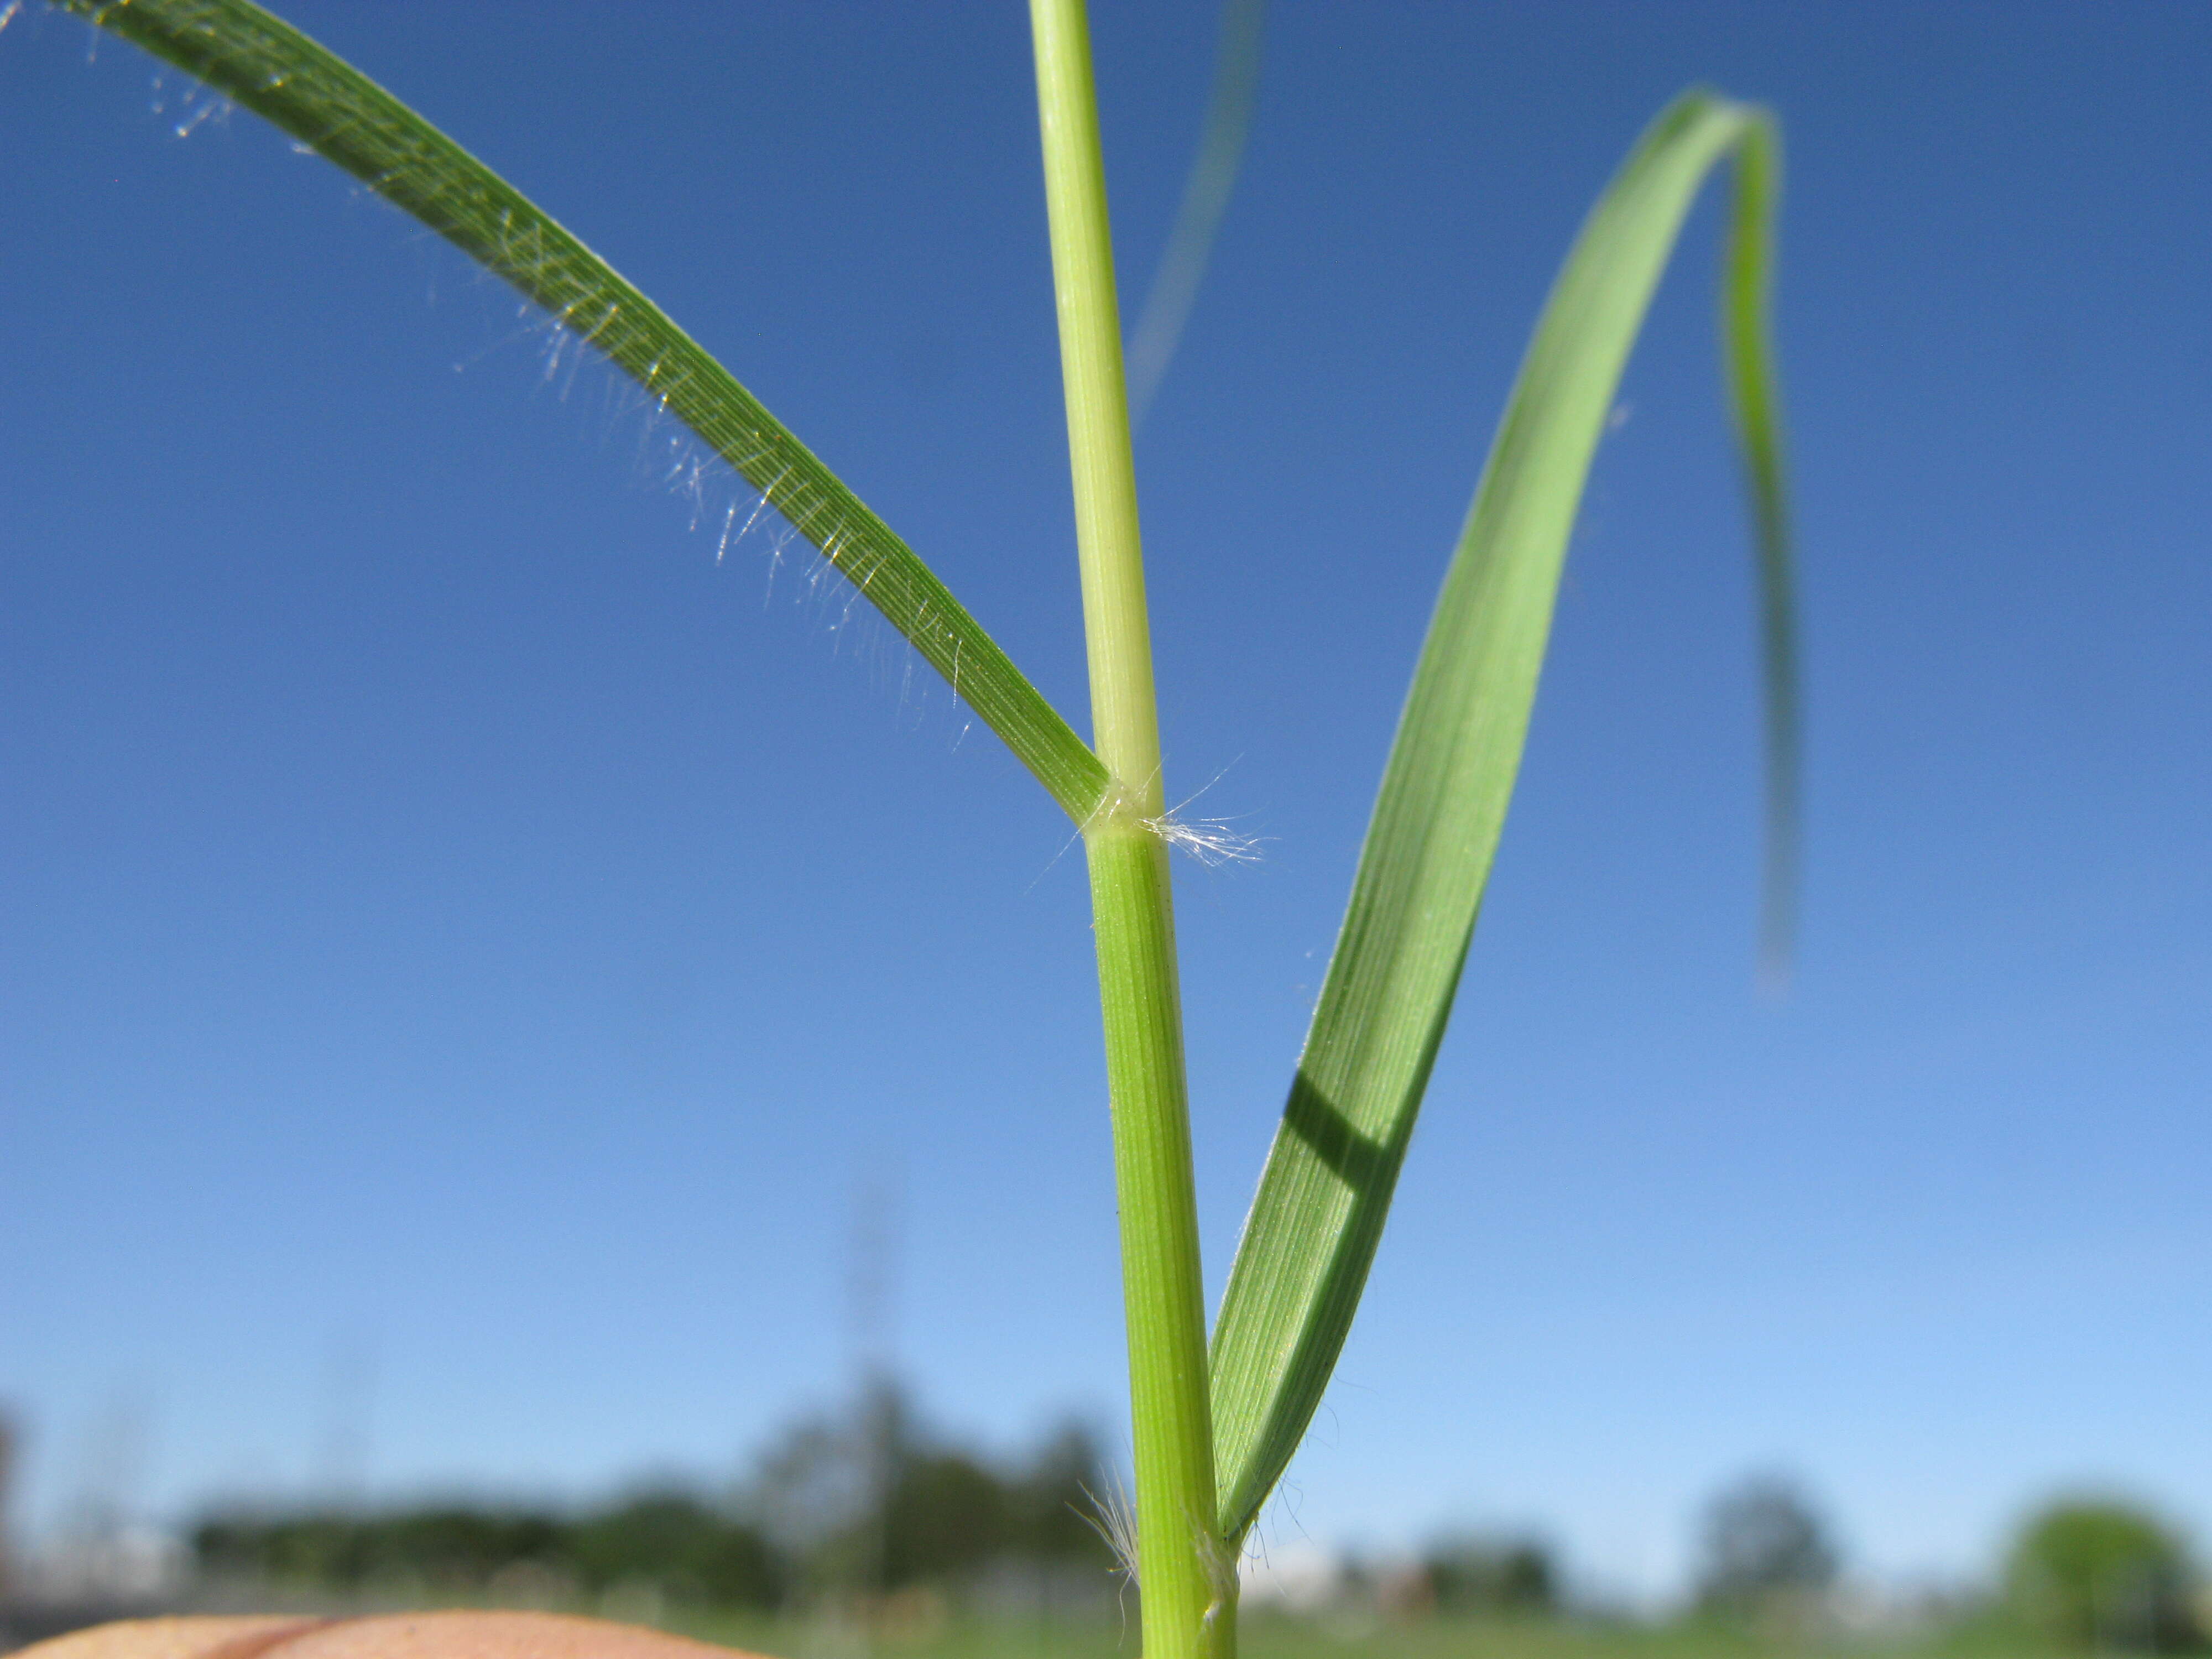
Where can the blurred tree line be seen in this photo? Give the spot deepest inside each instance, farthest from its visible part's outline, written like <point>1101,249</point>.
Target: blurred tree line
<point>2100,1573</point>
<point>857,1504</point>
<point>2103,1573</point>
<point>1764,1551</point>
<point>1511,1577</point>
<point>863,1506</point>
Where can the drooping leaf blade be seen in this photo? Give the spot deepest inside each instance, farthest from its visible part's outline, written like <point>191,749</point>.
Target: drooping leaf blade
<point>1205,195</point>
<point>1754,405</point>
<point>1311,1235</point>
<point>272,69</point>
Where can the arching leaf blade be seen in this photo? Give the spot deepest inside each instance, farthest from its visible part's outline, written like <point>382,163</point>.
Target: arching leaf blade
<point>1206,194</point>
<point>1311,1235</point>
<point>1755,406</point>
<point>300,86</point>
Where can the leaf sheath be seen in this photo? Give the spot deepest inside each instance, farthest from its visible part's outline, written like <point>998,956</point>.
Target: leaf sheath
<point>1189,1607</point>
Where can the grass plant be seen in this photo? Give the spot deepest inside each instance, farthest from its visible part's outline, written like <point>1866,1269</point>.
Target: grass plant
<point>1216,1419</point>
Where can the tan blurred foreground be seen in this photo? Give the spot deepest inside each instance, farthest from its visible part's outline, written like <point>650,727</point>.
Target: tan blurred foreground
<point>390,1636</point>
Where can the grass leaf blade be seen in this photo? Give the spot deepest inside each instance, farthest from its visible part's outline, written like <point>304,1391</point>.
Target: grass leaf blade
<point>278,72</point>
<point>1205,195</point>
<point>1314,1224</point>
<point>1755,403</point>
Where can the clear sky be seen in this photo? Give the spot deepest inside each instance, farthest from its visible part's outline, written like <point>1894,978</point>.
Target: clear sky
<point>466,951</point>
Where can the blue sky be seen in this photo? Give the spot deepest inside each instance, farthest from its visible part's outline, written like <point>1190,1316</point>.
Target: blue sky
<point>457,936</point>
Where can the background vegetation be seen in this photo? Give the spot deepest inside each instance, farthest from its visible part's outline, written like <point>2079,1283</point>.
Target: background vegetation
<point>863,1529</point>
<point>848,1507</point>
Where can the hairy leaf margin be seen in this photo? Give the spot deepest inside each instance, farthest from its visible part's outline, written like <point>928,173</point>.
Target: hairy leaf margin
<point>300,86</point>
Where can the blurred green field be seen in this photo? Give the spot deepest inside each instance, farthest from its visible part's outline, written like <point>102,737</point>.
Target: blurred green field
<point>1265,1636</point>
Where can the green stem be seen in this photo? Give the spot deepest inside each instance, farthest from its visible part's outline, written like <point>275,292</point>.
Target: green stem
<point>1189,1594</point>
